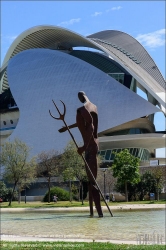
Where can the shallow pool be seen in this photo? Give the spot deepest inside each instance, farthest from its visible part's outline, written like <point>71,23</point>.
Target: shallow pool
<point>125,225</point>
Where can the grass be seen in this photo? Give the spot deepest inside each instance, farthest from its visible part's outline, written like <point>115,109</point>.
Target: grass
<point>74,245</point>
<point>39,204</point>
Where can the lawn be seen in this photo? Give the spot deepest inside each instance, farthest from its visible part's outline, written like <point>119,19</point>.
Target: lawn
<point>38,204</point>
<point>74,245</point>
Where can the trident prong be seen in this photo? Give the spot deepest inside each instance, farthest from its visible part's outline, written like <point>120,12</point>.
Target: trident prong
<point>61,116</point>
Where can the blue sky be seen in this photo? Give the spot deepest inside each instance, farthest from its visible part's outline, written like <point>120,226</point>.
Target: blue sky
<point>144,20</point>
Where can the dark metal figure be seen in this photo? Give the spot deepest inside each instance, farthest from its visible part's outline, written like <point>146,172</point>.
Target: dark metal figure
<point>87,122</point>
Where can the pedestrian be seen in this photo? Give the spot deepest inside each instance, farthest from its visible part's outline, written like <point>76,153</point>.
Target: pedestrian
<point>107,198</point>
<point>113,197</point>
<point>55,198</point>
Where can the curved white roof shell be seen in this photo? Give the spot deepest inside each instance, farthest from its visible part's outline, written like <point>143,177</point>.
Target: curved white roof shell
<point>123,48</point>
<point>130,54</point>
<point>47,37</point>
<point>148,141</point>
<point>132,49</point>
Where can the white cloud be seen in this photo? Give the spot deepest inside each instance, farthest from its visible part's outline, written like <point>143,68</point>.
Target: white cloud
<point>97,14</point>
<point>153,39</point>
<point>11,38</point>
<point>70,22</point>
<point>114,8</point>
<point>8,38</point>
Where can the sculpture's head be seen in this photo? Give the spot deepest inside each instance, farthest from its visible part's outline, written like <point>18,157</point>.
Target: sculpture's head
<point>82,96</point>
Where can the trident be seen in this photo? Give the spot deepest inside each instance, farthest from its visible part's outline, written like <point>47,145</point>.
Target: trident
<point>62,117</point>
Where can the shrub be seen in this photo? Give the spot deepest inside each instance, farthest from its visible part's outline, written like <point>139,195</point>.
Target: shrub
<point>61,193</point>
<point>3,190</point>
<point>5,193</point>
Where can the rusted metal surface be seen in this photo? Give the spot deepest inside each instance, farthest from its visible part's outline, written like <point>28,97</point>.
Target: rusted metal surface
<point>87,123</point>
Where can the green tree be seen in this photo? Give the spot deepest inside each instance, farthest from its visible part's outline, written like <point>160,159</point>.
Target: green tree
<point>27,177</point>
<point>68,175</point>
<point>126,169</point>
<point>48,167</point>
<point>137,191</point>
<point>158,173</point>
<point>146,185</point>
<point>19,168</point>
<point>131,188</point>
<point>73,167</point>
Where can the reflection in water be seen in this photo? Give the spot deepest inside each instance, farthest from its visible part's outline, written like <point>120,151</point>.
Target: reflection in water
<point>123,226</point>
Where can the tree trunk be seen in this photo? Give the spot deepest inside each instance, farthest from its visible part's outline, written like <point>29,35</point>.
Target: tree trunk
<point>82,193</point>
<point>126,193</point>
<point>141,197</point>
<point>49,191</point>
<point>11,198</point>
<point>19,196</point>
<point>70,191</point>
<point>79,191</point>
<point>157,195</point>
<point>157,192</point>
<point>25,195</point>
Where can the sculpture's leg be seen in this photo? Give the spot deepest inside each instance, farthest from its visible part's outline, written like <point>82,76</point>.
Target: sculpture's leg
<point>92,162</point>
<point>96,198</point>
<point>90,199</point>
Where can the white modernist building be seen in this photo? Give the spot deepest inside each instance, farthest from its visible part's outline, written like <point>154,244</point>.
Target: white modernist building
<point>50,62</point>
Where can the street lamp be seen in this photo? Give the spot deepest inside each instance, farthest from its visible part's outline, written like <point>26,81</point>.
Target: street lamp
<point>25,190</point>
<point>25,195</point>
<point>104,170</point>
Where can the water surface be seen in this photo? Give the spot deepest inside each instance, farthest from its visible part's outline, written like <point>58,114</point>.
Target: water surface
<point>125,225</point>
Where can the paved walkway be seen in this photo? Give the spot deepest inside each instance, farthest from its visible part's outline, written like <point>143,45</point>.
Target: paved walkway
<point>27,238</point>
<point>84,209</point>
<point>49,239</point>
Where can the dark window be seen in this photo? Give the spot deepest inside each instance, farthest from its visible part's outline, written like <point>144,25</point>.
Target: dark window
<point>102,153</point>
<point>4,122</point>
<point>107,156</point>
<point>112,156</point>
<point>137,151</point>
<point>11,121</point>
<point>131,150</point>
<point>134,151</point>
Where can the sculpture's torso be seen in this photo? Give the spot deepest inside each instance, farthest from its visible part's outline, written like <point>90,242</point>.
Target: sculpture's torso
<point>87,122</point>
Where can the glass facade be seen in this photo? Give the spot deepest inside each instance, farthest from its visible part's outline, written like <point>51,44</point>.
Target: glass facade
<point>118,77</point>
<point>6,100</point>
<point>129,131</point>
<point>108,154</point>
